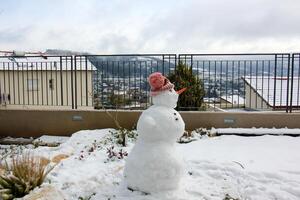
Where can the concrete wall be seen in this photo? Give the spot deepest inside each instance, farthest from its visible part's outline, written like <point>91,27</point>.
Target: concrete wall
<point>34,123</point>
<point>15,83</point>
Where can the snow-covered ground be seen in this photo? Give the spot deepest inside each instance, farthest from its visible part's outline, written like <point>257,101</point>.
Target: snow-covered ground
<point>258,131</point>
<point>262,168</point>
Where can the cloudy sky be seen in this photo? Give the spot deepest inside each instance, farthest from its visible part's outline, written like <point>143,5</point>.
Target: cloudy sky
<point>151,26</point>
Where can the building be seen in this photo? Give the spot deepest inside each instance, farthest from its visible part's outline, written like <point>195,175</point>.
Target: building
<point>269,93</point>
<point>45,81</point>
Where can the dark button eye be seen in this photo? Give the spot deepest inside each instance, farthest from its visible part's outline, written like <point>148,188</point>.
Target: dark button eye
<point>174,113</point>
<point>176,119</point>
<point>170,90</point>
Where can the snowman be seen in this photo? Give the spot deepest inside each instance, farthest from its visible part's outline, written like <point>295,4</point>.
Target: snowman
<point>153,164</point>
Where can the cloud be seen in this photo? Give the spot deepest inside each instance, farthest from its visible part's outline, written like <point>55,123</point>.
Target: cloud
<point>12,36</point>
<point>153,27</point>
<point>230,26</point>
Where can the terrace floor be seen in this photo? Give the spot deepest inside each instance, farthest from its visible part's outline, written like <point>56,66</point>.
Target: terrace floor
<point>261,167</point>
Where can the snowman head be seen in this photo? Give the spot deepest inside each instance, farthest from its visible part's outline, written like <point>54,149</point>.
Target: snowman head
<point>167,98</point>
<point>162,91</point>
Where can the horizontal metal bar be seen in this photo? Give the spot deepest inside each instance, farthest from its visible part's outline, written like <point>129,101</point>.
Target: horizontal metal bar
<point>234,54</point>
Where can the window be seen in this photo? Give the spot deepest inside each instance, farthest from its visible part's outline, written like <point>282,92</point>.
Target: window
<point>32,84</point>
<point>51,84</point>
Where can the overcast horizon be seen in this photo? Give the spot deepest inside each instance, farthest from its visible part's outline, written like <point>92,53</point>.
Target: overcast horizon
<point>124,26</point>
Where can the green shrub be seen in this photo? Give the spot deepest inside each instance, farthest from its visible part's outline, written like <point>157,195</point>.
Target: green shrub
<point>192,98</point>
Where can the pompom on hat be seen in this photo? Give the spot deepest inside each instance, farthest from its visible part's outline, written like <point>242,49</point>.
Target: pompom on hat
<point>159,83</point>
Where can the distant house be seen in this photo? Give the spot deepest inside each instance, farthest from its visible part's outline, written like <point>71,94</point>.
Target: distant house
<point>45,81</point>
<point>262,95</point>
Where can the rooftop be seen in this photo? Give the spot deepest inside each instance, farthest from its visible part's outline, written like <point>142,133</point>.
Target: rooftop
<point>43,63</point>
<point>270,88</point>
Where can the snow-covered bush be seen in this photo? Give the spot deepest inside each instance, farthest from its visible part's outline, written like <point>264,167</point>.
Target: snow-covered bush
<point>86,198</point>
<point>196,134</point>
<point>187,137</point>
<point>122,133</point>
<point>113,154</point>
<point>228,197</point>
<point>121,136</point>
<point>8,151</point>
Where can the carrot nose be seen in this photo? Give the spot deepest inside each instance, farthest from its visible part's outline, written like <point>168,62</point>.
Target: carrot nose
<point>180,91</point>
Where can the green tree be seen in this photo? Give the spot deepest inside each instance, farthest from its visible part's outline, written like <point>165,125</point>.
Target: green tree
<point>192,98</point>
<point>118,100</point>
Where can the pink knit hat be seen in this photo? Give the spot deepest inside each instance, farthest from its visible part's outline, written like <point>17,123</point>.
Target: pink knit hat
<point>159,83</point>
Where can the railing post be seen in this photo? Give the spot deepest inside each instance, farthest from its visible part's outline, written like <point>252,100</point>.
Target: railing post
<point>275,76</point>
<point>72,86</point>
<point>191,63</point>
<point>61,81</point>
<point>175,61</point>
<point>75,83</point>
<point>86,80</point>
<point>163,64</point>
<point>288,84</point>
<point>292,83</point>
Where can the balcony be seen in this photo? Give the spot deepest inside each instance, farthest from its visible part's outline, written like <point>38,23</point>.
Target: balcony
<point>79,97</point>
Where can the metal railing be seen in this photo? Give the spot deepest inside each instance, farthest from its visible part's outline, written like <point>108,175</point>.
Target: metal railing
<point>295,82</point>
<point>120,81</point>
<point>36,80</point>
<point>250,81</point>
<point>235,82</point>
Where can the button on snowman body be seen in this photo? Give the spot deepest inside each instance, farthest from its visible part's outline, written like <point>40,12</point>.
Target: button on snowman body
<point>153,164</point>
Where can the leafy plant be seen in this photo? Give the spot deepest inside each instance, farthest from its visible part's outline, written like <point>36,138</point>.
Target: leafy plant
<point>199,133</point>
<point>23,174</point>
<point>187,137</point>
<point>86,198</point>
<point>117,100</point>
<point>113,154</point>
<point>228,197</point>
<point>192,98</point>
<point>122,133</point>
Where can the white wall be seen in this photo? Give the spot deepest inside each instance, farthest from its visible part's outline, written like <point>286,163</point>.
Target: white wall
<point>15,83</point>
<point>254,101</point>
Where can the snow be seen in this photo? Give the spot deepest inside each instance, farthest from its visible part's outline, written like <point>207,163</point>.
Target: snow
<point>254,168</point>
<point>50,140</point>
<point>234,99</point>
<point>11,140</point>
<point>39,63</point>
<point>265,167</point>
<point>258,131</point>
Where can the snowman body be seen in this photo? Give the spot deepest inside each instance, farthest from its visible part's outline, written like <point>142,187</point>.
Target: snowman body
<point>153,164</point>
